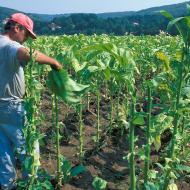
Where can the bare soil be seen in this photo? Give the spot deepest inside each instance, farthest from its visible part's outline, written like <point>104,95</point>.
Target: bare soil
<point>106,162</point>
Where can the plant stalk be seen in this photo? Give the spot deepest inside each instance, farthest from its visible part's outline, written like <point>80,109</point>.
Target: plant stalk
<point>175,122</point>
<point>59,176</point>
<point>81,143</point>
<point>147,147</point>
<point>131,149</point>
<point>98,118</point>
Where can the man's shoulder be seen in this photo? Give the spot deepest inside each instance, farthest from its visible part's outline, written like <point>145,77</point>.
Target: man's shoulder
<point>10,46</point>
<point>8,42</point>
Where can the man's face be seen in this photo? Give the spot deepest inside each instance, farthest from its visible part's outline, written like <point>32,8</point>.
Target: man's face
<point>21,34</point>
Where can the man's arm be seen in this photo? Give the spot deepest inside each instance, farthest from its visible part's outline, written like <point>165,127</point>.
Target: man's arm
<point>24,56</point>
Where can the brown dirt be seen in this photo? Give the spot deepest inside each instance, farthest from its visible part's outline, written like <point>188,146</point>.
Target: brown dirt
<point>107,162</point>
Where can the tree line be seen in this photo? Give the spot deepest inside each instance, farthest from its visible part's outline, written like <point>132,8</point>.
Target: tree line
<point>89,24</point>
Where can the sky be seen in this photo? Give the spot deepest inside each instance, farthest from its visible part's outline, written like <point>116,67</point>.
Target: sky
<point>82,6</point>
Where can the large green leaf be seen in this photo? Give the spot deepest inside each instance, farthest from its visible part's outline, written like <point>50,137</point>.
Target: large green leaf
<point>160,123</point>
<point>183,26</point>
<point>77,66</point>
<point>138,119</point>
<point>46,185</point>
<point>151,186</point>
<point>183,168</point>
<point>77,170</point>
<point>66,167</point>
<point>188,9</point>
<point>88,72</point>
<point>174,22</point>
<point>62,85</point>
<point>166,14</point>
<point>186,91</point>
<point>181,23</point>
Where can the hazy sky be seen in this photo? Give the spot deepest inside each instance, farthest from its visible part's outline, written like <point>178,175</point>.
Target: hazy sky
<point>82,6</point>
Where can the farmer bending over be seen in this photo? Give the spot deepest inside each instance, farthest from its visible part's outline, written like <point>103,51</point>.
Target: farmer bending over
<point>13,57</point>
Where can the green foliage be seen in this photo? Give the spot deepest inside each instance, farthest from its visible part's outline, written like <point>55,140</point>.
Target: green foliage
<point>160,123</point>
<point>40,183</point>
<point>151,186</point>
<point>106,23</point>
<point>138,119</point>
<point>68,171</point>
<point>62,85</point>
<point>99,183</point>
<point>119,70</point>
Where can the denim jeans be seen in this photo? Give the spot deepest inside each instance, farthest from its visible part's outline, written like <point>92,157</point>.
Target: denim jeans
<point>12,141</point>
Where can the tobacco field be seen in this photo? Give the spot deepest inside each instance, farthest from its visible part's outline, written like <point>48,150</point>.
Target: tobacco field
<point>115,117</point>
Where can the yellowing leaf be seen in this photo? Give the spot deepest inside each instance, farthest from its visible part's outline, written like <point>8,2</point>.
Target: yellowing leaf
<point>164,58</point>
<point>157,142</point>
<point>172,186</point>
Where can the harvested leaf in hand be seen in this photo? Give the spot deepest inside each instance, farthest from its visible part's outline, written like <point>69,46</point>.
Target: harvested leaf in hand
<point>63,86</point>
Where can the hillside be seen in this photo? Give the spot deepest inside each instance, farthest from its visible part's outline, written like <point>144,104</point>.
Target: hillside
<point>147,21</point>
<point>175,9</point>
<point>6,12</point>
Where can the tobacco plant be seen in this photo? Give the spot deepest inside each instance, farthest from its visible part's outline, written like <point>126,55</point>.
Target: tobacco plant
<point>182,25</point>
<point>33,179</point>
<point>63,86</point>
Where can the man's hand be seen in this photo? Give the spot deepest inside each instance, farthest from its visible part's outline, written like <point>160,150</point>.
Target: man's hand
<point>57,66</point>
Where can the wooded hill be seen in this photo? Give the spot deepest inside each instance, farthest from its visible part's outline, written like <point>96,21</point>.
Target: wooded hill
<point>143,22</point>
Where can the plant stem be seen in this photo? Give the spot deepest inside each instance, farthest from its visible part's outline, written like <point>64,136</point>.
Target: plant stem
<point>88,101</point>
<point>117,111</point>
<point>147,147</point>
<point>111,114</point>
<point>106,90</point>
<point>175,122</point>
<point>53,109</point>
<point>80,133</point>
<point>31,131</point>
<point>98,118</point>
<point>131,149</point>
<point>59,176</point>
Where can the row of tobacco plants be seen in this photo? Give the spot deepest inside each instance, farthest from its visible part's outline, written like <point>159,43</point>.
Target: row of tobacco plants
<point>147,82</point>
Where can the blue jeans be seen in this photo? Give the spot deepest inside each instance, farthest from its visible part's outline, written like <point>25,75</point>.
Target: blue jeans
<point>12,118</point>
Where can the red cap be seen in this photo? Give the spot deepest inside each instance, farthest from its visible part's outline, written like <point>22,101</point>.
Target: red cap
<point>25,21</point>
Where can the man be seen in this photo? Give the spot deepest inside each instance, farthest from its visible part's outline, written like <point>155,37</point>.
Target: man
<point>13,56</point>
